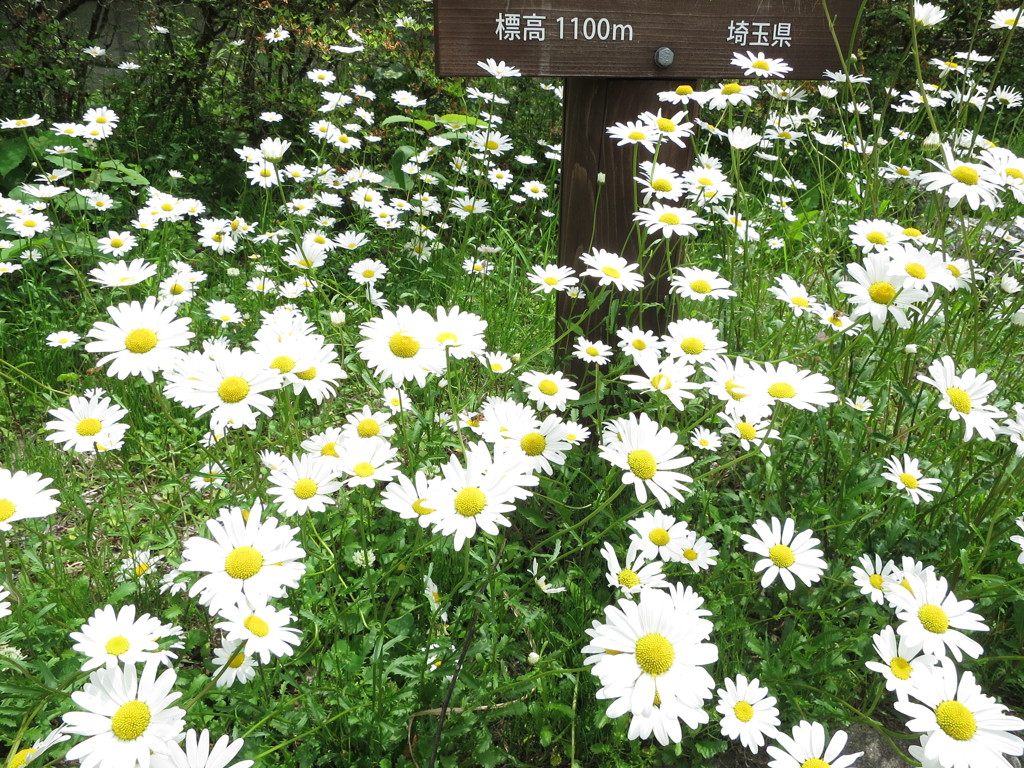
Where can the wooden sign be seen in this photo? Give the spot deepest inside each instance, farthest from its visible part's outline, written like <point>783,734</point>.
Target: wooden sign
<point>620,38</point>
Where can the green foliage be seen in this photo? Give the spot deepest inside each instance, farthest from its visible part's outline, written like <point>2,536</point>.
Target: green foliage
<point>488,670</point>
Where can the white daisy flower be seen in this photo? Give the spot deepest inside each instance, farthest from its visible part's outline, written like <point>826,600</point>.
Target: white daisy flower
<point>933,618</point>
<point>903,664</point>
<point>964,727</point>
<point>125,717</point>
<point>807,747</point>
<point>748,713</point>
<point>785,553</point>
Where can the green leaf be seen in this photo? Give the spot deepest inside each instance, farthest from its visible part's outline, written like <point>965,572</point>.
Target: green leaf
<point>460,120</point>
<point>12,152</point>
<point>426,125</point>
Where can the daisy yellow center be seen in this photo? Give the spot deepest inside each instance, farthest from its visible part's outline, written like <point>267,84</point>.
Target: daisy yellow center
<point>307,375</point>
<point>177,289</point>
<point>690,554</point>
<point>684,90</point>
<point>954,270</point>
<point>368,428</point>
<point>533,444</point>
<point>116,242</point>
<point>655,654</point>
<point>233,389</point>
<point>965,175</point>
<point>692,345</point>
<point>497,367</point>
<point>131,720</point>
<point>661,382</point>
<point>492,144</point>
<point>916,270</point>
<point>659,537</point>
<point>548,387</point>
<point>782,390</point>
<point>639,344</point>
<point>959,399</point>
<point>611,272</point>
<point>21,757</point>
<point>257,626</point>
<point>878,238</point>
<point>733,388</point>
<point>167,207</point>
<point>266,173</point>
<point>875,579</point>
<point>815,762</point>
<point>447,336</point>
<point>283,363</point>
<point>551,280</point>
<point>642,463</point>
<point>743,711</point>
<point>704,181</point>
<point>141,569</point>
<point>403,346</point>
<point>956,720</point>
<point>900,668</point>
<point>700,286</point>
<point>329,449</point>
<point>933,618</point>
<point>368,273</point>
<point>30,222</point>
<point>243,563</point>
<point>470,501</point>
<point>730,88</point>
<point>909,480</point>
<point>760,64</point>
<point>669,218</point>
<point>666,125</point>
<point>419,508</point>
<point>305,488</point>
<point>882,292</point>
<point>800,301</point>
<point>1014,173</point>
<point>661,185</point>
<point>593,351</point>
<point>363,469</point>
<point>89,427</point>
<point>747,430</point>
<point>117,645</point>
<point>6,509</point>
<point>140,341</point>
<point>636,135</point>
<point>912,232</point>
<point>237,660</point>
<point>628,578</point>
<point>782,556</point>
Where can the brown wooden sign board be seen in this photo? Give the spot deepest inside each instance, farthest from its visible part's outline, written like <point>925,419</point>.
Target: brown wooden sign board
<point>618,38</point>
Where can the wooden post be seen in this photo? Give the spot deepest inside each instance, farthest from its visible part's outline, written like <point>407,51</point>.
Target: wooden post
<point>589,219</point>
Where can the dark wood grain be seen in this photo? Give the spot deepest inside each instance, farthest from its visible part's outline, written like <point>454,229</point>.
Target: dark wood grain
<point>589,220</point>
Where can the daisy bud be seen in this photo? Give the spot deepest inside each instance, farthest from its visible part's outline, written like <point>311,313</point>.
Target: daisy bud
<point>910,349</point>
<point>931,141</point>
<point>337,318</point>
<point>232,272</point>
<point>533,659</point>
<point>601,178</point>
<point>516,358</point>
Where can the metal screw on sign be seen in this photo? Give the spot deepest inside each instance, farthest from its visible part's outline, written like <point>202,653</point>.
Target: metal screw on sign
<point>663,57</point>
